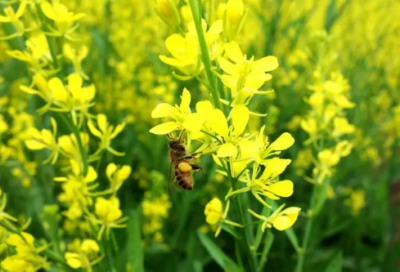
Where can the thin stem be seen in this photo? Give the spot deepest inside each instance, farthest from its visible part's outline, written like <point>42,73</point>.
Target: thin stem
<point>237,201</point>
<point>307,232</point>
<point>81,147</point>
<point>269,239</point>
<point>196,8</point>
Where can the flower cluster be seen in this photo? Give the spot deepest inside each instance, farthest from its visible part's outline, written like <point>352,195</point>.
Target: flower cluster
<point>220,128</point>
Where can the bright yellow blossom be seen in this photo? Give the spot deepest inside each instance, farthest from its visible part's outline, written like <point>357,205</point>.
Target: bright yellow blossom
<point>185,55</point>
<point>214,215</point>
<point>105,132</point>
<point>109,215</point>
<point>281,220</point>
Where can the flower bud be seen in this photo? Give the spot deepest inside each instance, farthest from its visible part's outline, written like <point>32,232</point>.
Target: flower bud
<point>168,13</point>
<point>234,11</point>
<point>233,17</point>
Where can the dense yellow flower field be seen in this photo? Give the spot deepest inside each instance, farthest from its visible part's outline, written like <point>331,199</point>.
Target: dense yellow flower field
<point>189,135</point>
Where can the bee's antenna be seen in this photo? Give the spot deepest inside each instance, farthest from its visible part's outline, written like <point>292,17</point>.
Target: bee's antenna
<point>181,136</point>
<point>169,136</point>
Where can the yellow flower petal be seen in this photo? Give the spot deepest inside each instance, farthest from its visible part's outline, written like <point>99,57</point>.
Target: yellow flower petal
<point>185,101</point>
<point>240,117</point>
<point>266,64</point>
<point>227,66</point>
<point>204,108</point>
<point>193,122</point>
<point>164,128</point>
<point>175,44</point>
<point>283,142</point>
<point>75,81</point>
<point>91,175</point>
<point>124,173</point>
<point>117,130</point>
<point>110,170</point>
<point>48,10</point>
<point>282,188</point>
<point>218,123</point>
<point>73,260</point>
<point>94,130</point>
<point>102,122</point>
<point>282,223</point>
<point>227,150</point>
<point>274,167</point>
<point>57,89</point>
<point>162,110</point>
<point>234,52</point>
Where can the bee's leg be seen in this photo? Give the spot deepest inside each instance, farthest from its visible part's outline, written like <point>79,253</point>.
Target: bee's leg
<point>189,157</point>
<point>195,167</point>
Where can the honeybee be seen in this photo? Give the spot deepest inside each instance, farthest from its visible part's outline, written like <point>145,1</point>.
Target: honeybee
<point>182,163</point>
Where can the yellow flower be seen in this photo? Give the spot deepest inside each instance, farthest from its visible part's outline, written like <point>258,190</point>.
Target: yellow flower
<point>341,126</point>
<point>23,246</point>
<point>233,17</point>
<point>185,55</point>
<point>16,264</point>
<point>109,215</point>
<point>75,260</point>
<point>213,211</point>
<point>62,18</point>
<point>181,115</point>
<point>117,175</point>
<point>106,133</point>
<point>90,246</point>
<point>83,255</point>
<point>230,135</point>
<point>69,146</point>
<point>356,201</point>
<point>74,97</point>
<point>281,220</point>
<point>14,17</point>
<point>267,183</point>
<point>37,54</point>
<point>43,91</point>
<point>215,215</point>
<point>245,76</point>
<point>38,140</point>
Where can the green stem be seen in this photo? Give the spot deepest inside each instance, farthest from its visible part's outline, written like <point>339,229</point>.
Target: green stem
<point>307,232</point>
<point>81,147</point>
<point>247,241</point>
<point>269,239</point>
<point>196,7</point>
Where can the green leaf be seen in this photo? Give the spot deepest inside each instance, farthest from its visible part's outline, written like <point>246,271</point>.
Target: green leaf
<point>269,239</point>
<point>230,230</point>
<point>135,249</point>
<point>293,239</point>
<point>217,254</point>
<point>335,265</point>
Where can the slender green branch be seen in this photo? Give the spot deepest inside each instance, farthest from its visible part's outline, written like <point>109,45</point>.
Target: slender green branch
<point>81,147</point>
<point>196,7</point>
<point>307,232</point>
<point>237,201</point>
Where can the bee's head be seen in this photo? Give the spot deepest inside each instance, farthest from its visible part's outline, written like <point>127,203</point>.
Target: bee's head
<point>173,143</point>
